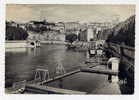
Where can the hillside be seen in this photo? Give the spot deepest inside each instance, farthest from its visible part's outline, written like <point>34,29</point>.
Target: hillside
<point>124,32</point>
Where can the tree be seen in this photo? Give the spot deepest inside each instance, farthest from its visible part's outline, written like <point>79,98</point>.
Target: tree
<point>71,37</point>
<point>15,33</point>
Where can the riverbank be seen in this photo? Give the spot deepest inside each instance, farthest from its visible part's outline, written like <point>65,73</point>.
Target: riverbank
<point>23,43</point>
<point>15,44</point>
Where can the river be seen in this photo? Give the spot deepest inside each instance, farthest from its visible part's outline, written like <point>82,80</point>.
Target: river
<point>21,63</point>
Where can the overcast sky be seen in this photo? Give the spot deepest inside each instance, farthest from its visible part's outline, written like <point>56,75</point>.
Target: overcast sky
<point>56,13</point>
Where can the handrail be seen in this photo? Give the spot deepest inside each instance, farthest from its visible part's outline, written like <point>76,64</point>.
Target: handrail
<point>121,52</point>
<point>123,46</point>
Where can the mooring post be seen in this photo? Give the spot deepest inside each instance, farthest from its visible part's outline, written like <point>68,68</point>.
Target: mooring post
<point>114,66</point>
<point>121,52</point>
<point>87,55</point>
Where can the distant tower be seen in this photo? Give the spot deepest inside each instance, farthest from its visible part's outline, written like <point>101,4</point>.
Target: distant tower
<point>90,33</point>
<point>98,32</point>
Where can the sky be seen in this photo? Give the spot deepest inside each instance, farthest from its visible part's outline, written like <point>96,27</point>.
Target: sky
<point>67,13</point>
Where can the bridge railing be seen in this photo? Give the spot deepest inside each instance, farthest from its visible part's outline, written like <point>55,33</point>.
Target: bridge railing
<point>123,49</point>
<point>125,53</point>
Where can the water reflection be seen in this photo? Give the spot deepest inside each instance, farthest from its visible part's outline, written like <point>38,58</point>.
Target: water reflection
<point>22,63</point>
<point>16,50</point>
<point>59,68</point>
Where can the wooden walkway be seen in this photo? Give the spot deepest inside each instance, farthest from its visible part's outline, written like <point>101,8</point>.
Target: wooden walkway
<point>46,90</point>
<point>100,71</point>
<point>60,76</point>
<point>66,74</point>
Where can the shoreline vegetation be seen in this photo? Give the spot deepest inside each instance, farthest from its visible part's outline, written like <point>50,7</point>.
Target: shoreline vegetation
<point>15,33</point>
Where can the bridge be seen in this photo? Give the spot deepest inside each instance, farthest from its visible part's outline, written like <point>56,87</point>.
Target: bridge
<point>126,55</point>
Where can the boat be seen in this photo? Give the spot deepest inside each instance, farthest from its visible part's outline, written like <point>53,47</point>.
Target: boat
<point>33,44</point>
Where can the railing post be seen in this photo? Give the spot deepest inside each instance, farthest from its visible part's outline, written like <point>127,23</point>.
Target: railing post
<point>121,52</point>
<point>114,61</point>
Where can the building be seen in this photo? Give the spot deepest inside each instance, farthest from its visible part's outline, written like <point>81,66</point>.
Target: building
<point>71,25</point>
<point>72,28</point>
<point>96,31</point>
<point>35,36</point>
<point>46,36</point>
<point>59,27</point>
<point>90,33</point>
<point>82,35</point>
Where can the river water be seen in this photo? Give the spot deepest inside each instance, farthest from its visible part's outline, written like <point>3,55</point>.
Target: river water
<point>21,64</point>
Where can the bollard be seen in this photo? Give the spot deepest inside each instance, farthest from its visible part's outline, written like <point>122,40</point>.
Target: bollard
<point>87,55</point>
<point>114,66</point>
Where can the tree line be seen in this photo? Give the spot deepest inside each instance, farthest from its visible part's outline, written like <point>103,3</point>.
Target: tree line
<point>15,33</point>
